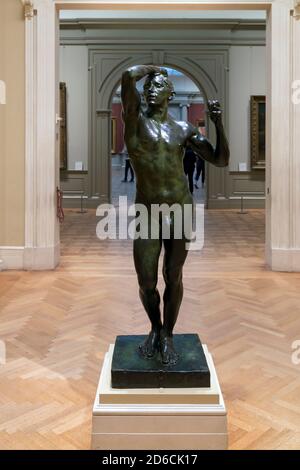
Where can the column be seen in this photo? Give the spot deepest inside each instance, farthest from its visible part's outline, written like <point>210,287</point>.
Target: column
<point>2,102</point>
<point>295,148</point>
<point>41,158</point>
<point>283,154</point>
<point>184,111</point>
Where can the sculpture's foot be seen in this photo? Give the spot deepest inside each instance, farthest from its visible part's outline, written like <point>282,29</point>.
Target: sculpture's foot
<point>167,350</point>
<point>151,344</point>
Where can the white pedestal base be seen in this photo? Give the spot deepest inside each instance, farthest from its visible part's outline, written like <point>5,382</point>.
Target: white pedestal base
<point>154,419</point>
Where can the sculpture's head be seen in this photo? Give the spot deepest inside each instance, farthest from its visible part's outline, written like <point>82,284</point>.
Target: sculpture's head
<point>158,89</point>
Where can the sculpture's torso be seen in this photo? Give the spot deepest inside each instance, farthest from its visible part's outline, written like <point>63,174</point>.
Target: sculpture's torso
<point>156,150</point>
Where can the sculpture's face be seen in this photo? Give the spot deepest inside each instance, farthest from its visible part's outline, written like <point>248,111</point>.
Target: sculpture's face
<point>156,90</point>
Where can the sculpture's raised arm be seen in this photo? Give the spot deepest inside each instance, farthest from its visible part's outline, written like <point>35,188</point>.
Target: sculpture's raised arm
<point>220,155</point>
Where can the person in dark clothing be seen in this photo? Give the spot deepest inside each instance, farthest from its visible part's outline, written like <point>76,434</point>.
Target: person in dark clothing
<point>200,170</point>
<point>189,162</point>
<point>128,166</point>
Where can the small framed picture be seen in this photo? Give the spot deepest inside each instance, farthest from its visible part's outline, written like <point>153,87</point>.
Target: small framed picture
<point>258,132</point>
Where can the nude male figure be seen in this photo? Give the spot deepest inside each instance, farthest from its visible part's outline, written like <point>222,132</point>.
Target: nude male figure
<point>156,144</point>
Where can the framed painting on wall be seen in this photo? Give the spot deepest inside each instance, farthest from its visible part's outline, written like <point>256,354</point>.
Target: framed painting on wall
<point>258,132</point>
<point>63,158</point>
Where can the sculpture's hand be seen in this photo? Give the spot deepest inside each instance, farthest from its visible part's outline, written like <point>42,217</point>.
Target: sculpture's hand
<point>214,110</point>
<point>157,69</point>
<point>163,71</point>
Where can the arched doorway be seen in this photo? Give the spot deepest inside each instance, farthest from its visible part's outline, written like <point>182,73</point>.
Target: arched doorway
<point>208,73</point>
<point>188,104</point>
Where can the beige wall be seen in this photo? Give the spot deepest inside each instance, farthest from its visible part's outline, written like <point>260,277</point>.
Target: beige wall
<point>12,124</point>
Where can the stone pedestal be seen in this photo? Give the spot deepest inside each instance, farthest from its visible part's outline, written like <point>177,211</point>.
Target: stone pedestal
<point>162,418</point>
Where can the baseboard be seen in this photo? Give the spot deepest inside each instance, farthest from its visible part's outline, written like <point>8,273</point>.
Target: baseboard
<point>286,260</point>
<point>75,203</point>
<point>32,259</point>
<point>226,203</point>
<point>12,257</point>
<point>47,258</point>
<point>41,258</point>
<point>235,203</point>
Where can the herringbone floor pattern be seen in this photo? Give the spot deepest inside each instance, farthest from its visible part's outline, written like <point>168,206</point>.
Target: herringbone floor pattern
<point>56,327</point>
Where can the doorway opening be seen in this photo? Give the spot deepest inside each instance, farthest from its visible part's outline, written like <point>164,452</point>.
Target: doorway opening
<point>48,236</point>
<point>196,62</point>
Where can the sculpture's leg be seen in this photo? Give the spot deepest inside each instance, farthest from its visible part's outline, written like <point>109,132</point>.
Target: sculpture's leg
<point>146,256</point>
<point>175,256</point>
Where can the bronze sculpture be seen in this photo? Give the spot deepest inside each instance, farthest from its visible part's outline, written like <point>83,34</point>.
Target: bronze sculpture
<point>156,144</point>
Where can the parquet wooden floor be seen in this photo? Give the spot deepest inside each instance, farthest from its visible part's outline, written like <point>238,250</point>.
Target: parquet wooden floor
<point>56,327</point>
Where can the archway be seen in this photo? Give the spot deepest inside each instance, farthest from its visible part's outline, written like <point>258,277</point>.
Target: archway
<point>107,65</point>
<point>188,104</point>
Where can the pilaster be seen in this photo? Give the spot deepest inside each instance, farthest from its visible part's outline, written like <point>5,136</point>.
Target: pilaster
<point>41,225</point>
<point>283,121</point>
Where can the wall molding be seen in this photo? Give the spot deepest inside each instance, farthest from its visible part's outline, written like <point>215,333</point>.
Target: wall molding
<point>170,23</point>
<point>12,257</point>
<point>20,257</point>
<point>296,12</point>
<point>28,9</point>
<point>73,202</point>
<point>41,258</point>
<point>285,259</point>
<point>235,203</point>
<point>71,41</point>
